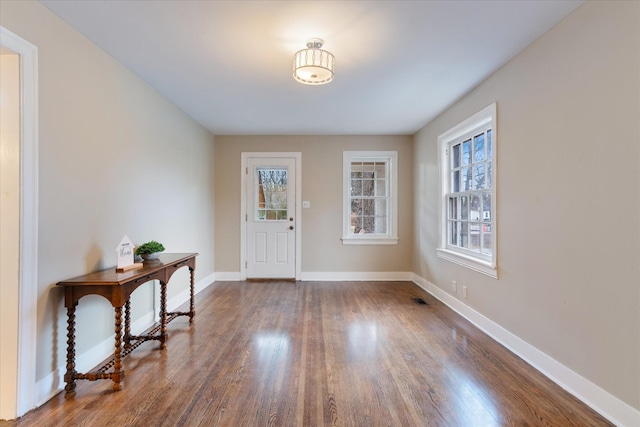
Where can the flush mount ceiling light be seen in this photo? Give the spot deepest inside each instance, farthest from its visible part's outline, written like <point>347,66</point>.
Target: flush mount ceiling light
<point>313,66</point>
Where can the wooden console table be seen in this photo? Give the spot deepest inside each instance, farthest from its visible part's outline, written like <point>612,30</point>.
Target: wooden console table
<point>117,288</point>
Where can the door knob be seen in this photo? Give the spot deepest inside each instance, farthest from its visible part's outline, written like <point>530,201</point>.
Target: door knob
<point>291,219</point>
<point>291,227</point>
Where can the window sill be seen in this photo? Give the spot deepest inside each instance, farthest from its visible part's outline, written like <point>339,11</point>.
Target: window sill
<point>474,264</point>
<point>369,241</point>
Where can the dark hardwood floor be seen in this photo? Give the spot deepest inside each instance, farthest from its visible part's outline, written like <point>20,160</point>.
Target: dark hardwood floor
<point>319,354</point>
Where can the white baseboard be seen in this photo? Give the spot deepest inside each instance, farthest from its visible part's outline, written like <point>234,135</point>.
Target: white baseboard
<point>329,276</point>
<point>227,276</point>
<point>356,276</point>
<point>49,386</point>
<point>384,276</point>
<point>603,402</point>
<point>53,383</point>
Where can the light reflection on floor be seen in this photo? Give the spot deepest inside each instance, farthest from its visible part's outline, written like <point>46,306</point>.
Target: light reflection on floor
<point>473,399</point>
<point>362,341</point>
<point>272,345</point>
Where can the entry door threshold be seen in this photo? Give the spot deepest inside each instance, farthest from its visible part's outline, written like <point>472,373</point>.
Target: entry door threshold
<point>271,279</point>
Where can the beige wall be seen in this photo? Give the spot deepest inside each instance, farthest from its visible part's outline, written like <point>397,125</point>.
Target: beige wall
<point>568,197</point>
<point>322,249</point>
<point>115,158</point>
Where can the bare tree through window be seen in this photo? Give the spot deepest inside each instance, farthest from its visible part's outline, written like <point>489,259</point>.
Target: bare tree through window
<point>369,194</point>
<point>272,194</point>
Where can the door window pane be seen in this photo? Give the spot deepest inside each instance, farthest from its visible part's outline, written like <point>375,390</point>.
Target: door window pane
<point>271,186</point>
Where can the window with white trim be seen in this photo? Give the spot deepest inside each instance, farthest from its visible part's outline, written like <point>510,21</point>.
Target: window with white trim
<point>370,201</point>
<point>467,180</point>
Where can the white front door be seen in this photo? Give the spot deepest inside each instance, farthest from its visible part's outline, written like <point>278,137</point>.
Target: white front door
<point>271,217</point>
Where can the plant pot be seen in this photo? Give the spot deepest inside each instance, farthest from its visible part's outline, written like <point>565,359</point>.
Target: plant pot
<point>149,257</point>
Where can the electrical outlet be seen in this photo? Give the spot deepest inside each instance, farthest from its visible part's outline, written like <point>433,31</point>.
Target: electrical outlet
<point>454,286</point>
<point>465,294</point>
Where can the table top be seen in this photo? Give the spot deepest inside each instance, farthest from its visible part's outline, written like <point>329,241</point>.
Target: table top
<point>109,276</point>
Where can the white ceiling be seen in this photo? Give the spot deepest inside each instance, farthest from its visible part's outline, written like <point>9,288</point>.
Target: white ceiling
<point>228,64</point>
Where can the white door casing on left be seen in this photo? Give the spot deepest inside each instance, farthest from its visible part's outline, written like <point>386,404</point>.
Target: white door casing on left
<point>18,329</point>
<point>9,227</point>
<point>270,227</point>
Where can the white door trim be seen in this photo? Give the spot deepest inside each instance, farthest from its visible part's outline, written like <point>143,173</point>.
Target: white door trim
<point>245,156</point>
<point>28,292</point>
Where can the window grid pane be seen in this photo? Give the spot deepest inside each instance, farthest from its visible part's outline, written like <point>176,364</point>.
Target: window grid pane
<point>469,218</point>
<point>456,156</point>
<point>469,203</point>
<point>369,196</point>
<point>478,148</point>
<point>453,233</point>
<point>466,152</point>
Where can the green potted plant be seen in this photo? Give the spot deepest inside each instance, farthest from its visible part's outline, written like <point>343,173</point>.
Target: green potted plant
<point>149,250</point>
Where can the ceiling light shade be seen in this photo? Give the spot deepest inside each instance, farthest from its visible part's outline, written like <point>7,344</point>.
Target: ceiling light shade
<point>313,66</point>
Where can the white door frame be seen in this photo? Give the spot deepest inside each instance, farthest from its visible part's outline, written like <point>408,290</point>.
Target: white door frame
<point>245,156</point>
<point>25,387</point>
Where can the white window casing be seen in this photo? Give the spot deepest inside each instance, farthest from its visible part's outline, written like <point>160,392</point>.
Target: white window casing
<point>370,198</point>
<point>468,218</point>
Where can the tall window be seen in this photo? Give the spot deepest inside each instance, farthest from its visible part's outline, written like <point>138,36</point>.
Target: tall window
<point>370,197</point>
<point>468,216</point>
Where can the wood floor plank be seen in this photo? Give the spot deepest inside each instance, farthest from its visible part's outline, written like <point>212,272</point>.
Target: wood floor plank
<point>320,354</point>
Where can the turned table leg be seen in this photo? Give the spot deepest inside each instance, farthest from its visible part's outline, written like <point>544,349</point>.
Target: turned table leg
<point>192,309</point>
<point>127,324</point>
<point>69,377</point>
<point>163,315</point>
<point>118,373</point>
